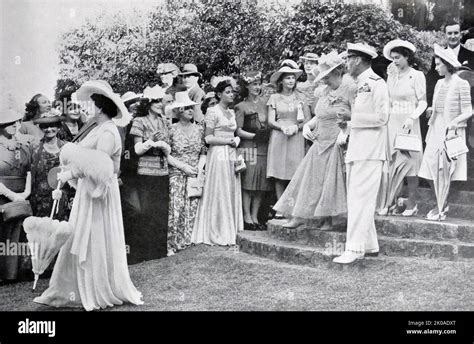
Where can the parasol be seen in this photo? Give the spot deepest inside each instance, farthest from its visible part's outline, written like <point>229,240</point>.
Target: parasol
<point>442,171</point>
<point>45,235</point>
<point>392,181</point>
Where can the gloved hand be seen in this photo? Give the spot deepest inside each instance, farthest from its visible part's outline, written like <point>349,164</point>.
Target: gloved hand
<point>163,146</point>
<point>143,147</point>
<point>57,194</point>
<point>237,141</point>
<point>341,139</point>
<point>3,189</point>
<point>63,177</point>
<point>308,133</point>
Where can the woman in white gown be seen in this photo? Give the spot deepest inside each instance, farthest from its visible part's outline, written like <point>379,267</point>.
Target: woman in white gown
<point>91,270</point>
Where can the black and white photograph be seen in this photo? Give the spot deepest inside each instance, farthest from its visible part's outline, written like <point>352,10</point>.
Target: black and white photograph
<point>237,156</point>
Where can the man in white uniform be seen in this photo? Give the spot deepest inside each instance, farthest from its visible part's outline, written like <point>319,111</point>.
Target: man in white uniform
<point>366,153</point>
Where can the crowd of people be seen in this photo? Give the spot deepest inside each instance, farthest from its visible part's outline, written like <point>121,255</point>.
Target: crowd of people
<point>190,167</point>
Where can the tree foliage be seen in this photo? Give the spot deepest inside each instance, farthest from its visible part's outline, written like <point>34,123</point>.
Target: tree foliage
<point>223,38</point>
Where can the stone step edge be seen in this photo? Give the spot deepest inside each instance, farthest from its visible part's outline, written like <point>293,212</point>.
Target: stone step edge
<point>460,249</point>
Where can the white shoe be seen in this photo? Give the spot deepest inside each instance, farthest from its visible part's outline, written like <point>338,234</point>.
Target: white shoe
<point>170,253</point>
<point>348,257</point>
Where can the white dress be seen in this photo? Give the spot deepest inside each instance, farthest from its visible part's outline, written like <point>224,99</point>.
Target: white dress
<point>219,216</point>
<point>91,270</point>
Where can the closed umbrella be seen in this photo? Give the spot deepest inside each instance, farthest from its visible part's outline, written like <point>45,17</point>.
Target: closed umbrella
<point>442,171</point>
<point>392,181</point>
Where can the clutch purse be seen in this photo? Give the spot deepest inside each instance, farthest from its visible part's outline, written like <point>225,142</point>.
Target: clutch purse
<point>195,185</point>
<point>455,146</point>
<point>16,210</point>
<point>240,164</point>
<point>407,142</point>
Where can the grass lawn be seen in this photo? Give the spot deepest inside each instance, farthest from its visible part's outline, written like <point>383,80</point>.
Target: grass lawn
<point>217,279</point>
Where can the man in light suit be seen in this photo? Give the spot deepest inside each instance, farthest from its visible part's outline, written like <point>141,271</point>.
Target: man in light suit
<point>366,153</point>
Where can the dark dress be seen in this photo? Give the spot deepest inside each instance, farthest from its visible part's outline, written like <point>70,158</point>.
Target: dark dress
<point>147,238</point>
<point>252,117</point>
<point>15,163</point>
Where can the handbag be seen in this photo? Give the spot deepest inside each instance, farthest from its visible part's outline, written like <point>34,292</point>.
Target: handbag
<point>195,185</point>
<point>455,145</point>
<point>407,142</point>
<point>16,210</point>
<point>240,164</point>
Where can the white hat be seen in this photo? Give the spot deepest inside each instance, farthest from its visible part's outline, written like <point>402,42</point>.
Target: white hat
<point>9,110</point>
<point>155,92</point>
<point>181,100</point>
<point>397,43</point>
<point>447,55</point>
<point>309,57</point>
<point>128,96</point>
<point>83,94</point>
<point>165,68</point>
<point>289,63</point>
<point>362,48</point>
<point>285,70</point>
<point>327,63</point>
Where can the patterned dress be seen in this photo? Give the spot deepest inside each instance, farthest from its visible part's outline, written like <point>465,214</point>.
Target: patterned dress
<point>41,193</point>
<point>182,210</point>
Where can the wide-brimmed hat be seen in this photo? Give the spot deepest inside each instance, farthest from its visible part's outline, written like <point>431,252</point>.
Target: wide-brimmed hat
<point>362,48</point>
<point>9,110</point>
<point>50,117</point>
<point>190,69</point>
<point>397,43</point>
<point>327,63</point>
<point>285,70</point>
<point>309,57</point>
<point>447,55</point>
<point>251,76</point>
<point>289,63</point>
<point>181,100</point>
<point>165,68</point>
<point>83,94</point>
<point>130,96</point>
<point>154,93</point>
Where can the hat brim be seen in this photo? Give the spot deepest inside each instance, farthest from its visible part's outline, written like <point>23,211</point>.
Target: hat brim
<point>275,76</point>
<point>47,120</point>
<point>191,73</point>
<point>312,59</point>
<point>178,105</point>
<point>326,72</point>
<point>11,117</point>
<point>442,53</point>
<point>366,53</point>
<point>387,50</point>
<point>83,94</point>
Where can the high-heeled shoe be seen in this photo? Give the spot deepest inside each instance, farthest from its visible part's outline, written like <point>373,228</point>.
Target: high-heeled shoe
<point>411,212</point>
<point>293,223</point>
<point>383,212</point>
<point>435,215</point>
<point>249,226</point>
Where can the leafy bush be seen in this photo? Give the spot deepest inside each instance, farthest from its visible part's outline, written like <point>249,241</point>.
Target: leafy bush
<point>223,38</point>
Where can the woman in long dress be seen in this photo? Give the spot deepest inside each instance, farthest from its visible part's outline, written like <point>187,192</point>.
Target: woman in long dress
<point>317,190</point>
<point>15,185</point>
<point>251,116</point>
<point>219,215</point>
<point>91,270</point>
<point>407,90</point>
<point>150,131</point>
<point>450,111</point>
<point>187,159</point>
<point>286,148</point>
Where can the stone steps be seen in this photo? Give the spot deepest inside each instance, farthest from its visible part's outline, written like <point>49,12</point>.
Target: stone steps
<point>456,196</point>
<point>332,242</point>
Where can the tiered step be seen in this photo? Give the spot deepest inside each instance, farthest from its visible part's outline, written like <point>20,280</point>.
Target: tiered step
<point>402,237</point>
